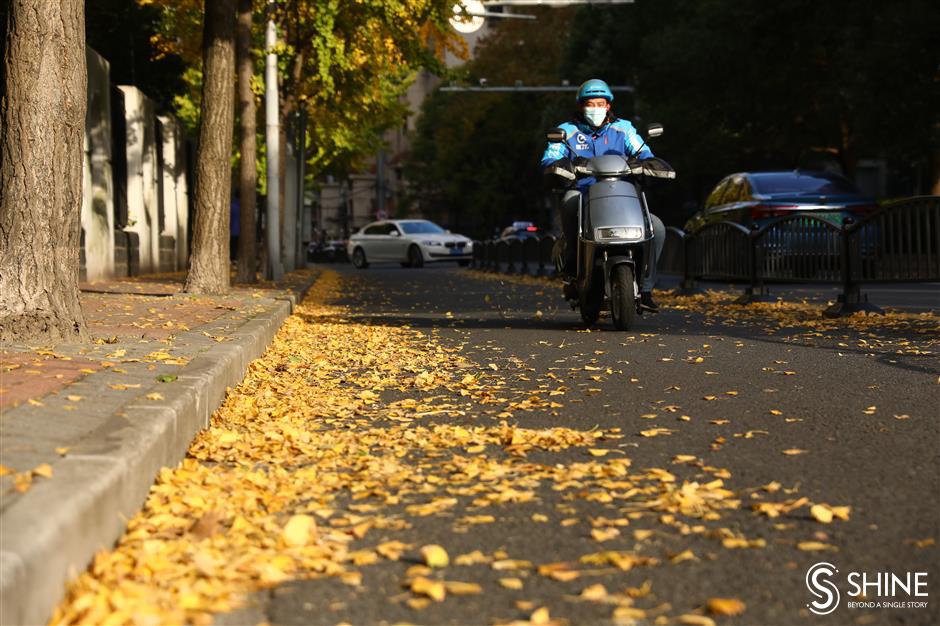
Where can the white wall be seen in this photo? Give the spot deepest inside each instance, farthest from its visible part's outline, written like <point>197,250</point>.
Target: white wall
<point>173,179</point>
<point>98,187</point>
<point>142,176</point>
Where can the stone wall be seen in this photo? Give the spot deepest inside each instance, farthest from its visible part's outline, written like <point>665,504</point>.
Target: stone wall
<point>135,196</point>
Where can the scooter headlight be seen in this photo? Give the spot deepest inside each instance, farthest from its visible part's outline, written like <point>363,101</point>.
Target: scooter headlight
<point>619,233</point>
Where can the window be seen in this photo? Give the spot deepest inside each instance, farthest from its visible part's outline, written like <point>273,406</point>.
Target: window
<point>714,198</point>
<point>734,192</point>
<point>421,227</point>
<point>801,182</point>
<point>374,229</point>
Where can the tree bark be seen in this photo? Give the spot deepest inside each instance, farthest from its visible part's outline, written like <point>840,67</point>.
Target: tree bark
<point>848,151</point>
<point>935,174</point>
<point>209,267</point>
<point>42,126</point>
<point>247,172</point>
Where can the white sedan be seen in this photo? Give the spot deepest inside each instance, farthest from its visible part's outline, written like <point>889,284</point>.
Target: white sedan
<point>409,242</point>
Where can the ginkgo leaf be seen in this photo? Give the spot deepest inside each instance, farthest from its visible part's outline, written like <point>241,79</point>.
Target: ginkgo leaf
<point>656,432</point>
<point>299,530</point>
<point>814,546</point>
<point>540,617</point>
<point>435,556</point>
<point>725,606</point>
<point>604,534</point>
<point>434,589</point>
<point>593,593</point>
<point>462,589</point>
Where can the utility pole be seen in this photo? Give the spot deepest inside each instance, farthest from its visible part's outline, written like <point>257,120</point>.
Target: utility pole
<point>301,152</point>
<point>380,186</point>
<point>272,130</point>
<point>344,201</point>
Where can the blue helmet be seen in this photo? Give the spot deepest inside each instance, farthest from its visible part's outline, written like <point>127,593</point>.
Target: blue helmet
<point>594,88</point>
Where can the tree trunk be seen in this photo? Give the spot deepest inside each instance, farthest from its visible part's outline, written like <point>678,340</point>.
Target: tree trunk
<point>42,126</point>
<point>247,172</point>
<point>935,174</point>
<point>848,151</point>
<point>209,269</point>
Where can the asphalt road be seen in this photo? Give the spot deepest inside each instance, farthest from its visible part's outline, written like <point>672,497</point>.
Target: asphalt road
<point>734,393</point>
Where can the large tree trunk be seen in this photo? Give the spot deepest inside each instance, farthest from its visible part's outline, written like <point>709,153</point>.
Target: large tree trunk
<point>247,172</point>
<point>935,174</point>
<point>42,126</point>
<point>209,269</point>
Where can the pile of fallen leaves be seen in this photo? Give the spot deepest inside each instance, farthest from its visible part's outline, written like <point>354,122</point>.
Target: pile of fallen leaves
<point>345,430</point>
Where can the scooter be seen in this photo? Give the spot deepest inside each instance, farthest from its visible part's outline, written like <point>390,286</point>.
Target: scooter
<point>615,233</point>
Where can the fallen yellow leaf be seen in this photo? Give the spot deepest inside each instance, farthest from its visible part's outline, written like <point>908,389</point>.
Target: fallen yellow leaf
<point>725,606</point>
<point>299,530</point>
<point>814,546</point>
<point>462,589</point>
<point>434,589</point>
<point>435,556</point>
<point>540,617</point>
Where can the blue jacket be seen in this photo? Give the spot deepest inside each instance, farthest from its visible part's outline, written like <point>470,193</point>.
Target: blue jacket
<point>617,137</point>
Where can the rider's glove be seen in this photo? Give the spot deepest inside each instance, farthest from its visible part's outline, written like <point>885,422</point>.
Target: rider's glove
<point>562,168</point>
<point>563,163</point>
<point>581,161</point>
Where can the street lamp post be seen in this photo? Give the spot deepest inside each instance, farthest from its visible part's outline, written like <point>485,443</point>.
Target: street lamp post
<point>272,143</point>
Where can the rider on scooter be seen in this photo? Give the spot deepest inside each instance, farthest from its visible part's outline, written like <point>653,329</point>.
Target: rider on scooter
<point>596,131</point>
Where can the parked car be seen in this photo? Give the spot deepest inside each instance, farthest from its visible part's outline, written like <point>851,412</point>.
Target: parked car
<point>327,251</point>
<point>520,230</point>
<point>749,198</point>
<point>409,242</point>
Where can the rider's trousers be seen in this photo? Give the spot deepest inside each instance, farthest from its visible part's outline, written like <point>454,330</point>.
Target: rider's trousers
<point>569,227</point>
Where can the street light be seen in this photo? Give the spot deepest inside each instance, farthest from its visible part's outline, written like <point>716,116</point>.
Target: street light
<point>469,15</point>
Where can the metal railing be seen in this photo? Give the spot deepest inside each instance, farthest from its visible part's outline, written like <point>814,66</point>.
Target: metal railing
<point>531,256</point>
<point>897,243</point>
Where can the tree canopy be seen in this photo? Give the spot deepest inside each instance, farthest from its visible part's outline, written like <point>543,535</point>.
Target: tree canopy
<point>738,85</point>
<point>347,63</point>
<point>474,162</point>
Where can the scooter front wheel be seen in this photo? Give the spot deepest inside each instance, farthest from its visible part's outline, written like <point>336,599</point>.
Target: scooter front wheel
<point>622,297</point>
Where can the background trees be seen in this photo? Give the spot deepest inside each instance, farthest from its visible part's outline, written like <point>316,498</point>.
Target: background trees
<point>209,264</point>
<point>474,162</point>
<point>737,84</point>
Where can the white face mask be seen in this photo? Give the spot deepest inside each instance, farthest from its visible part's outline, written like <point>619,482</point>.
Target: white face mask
<point>595,115</point>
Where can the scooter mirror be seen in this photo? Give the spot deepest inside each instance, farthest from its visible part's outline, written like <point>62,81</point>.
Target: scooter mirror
<point>556,135</point>
<point>654,130</point>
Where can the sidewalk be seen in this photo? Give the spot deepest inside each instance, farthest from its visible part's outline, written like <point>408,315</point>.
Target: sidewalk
<point>84,429</point>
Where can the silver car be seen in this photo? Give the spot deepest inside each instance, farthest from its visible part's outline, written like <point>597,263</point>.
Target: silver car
<point>409,242</point>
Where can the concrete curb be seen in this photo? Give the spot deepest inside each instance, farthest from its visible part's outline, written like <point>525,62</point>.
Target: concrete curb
<point>51,533</point>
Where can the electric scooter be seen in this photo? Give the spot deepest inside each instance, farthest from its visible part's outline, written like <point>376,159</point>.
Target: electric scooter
<point>615,233</point>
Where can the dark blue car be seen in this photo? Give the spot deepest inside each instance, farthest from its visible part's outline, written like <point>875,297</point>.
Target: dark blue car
<point>749,198</point>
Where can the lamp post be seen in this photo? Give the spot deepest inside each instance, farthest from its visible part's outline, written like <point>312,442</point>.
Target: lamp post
<point>272,131</point>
